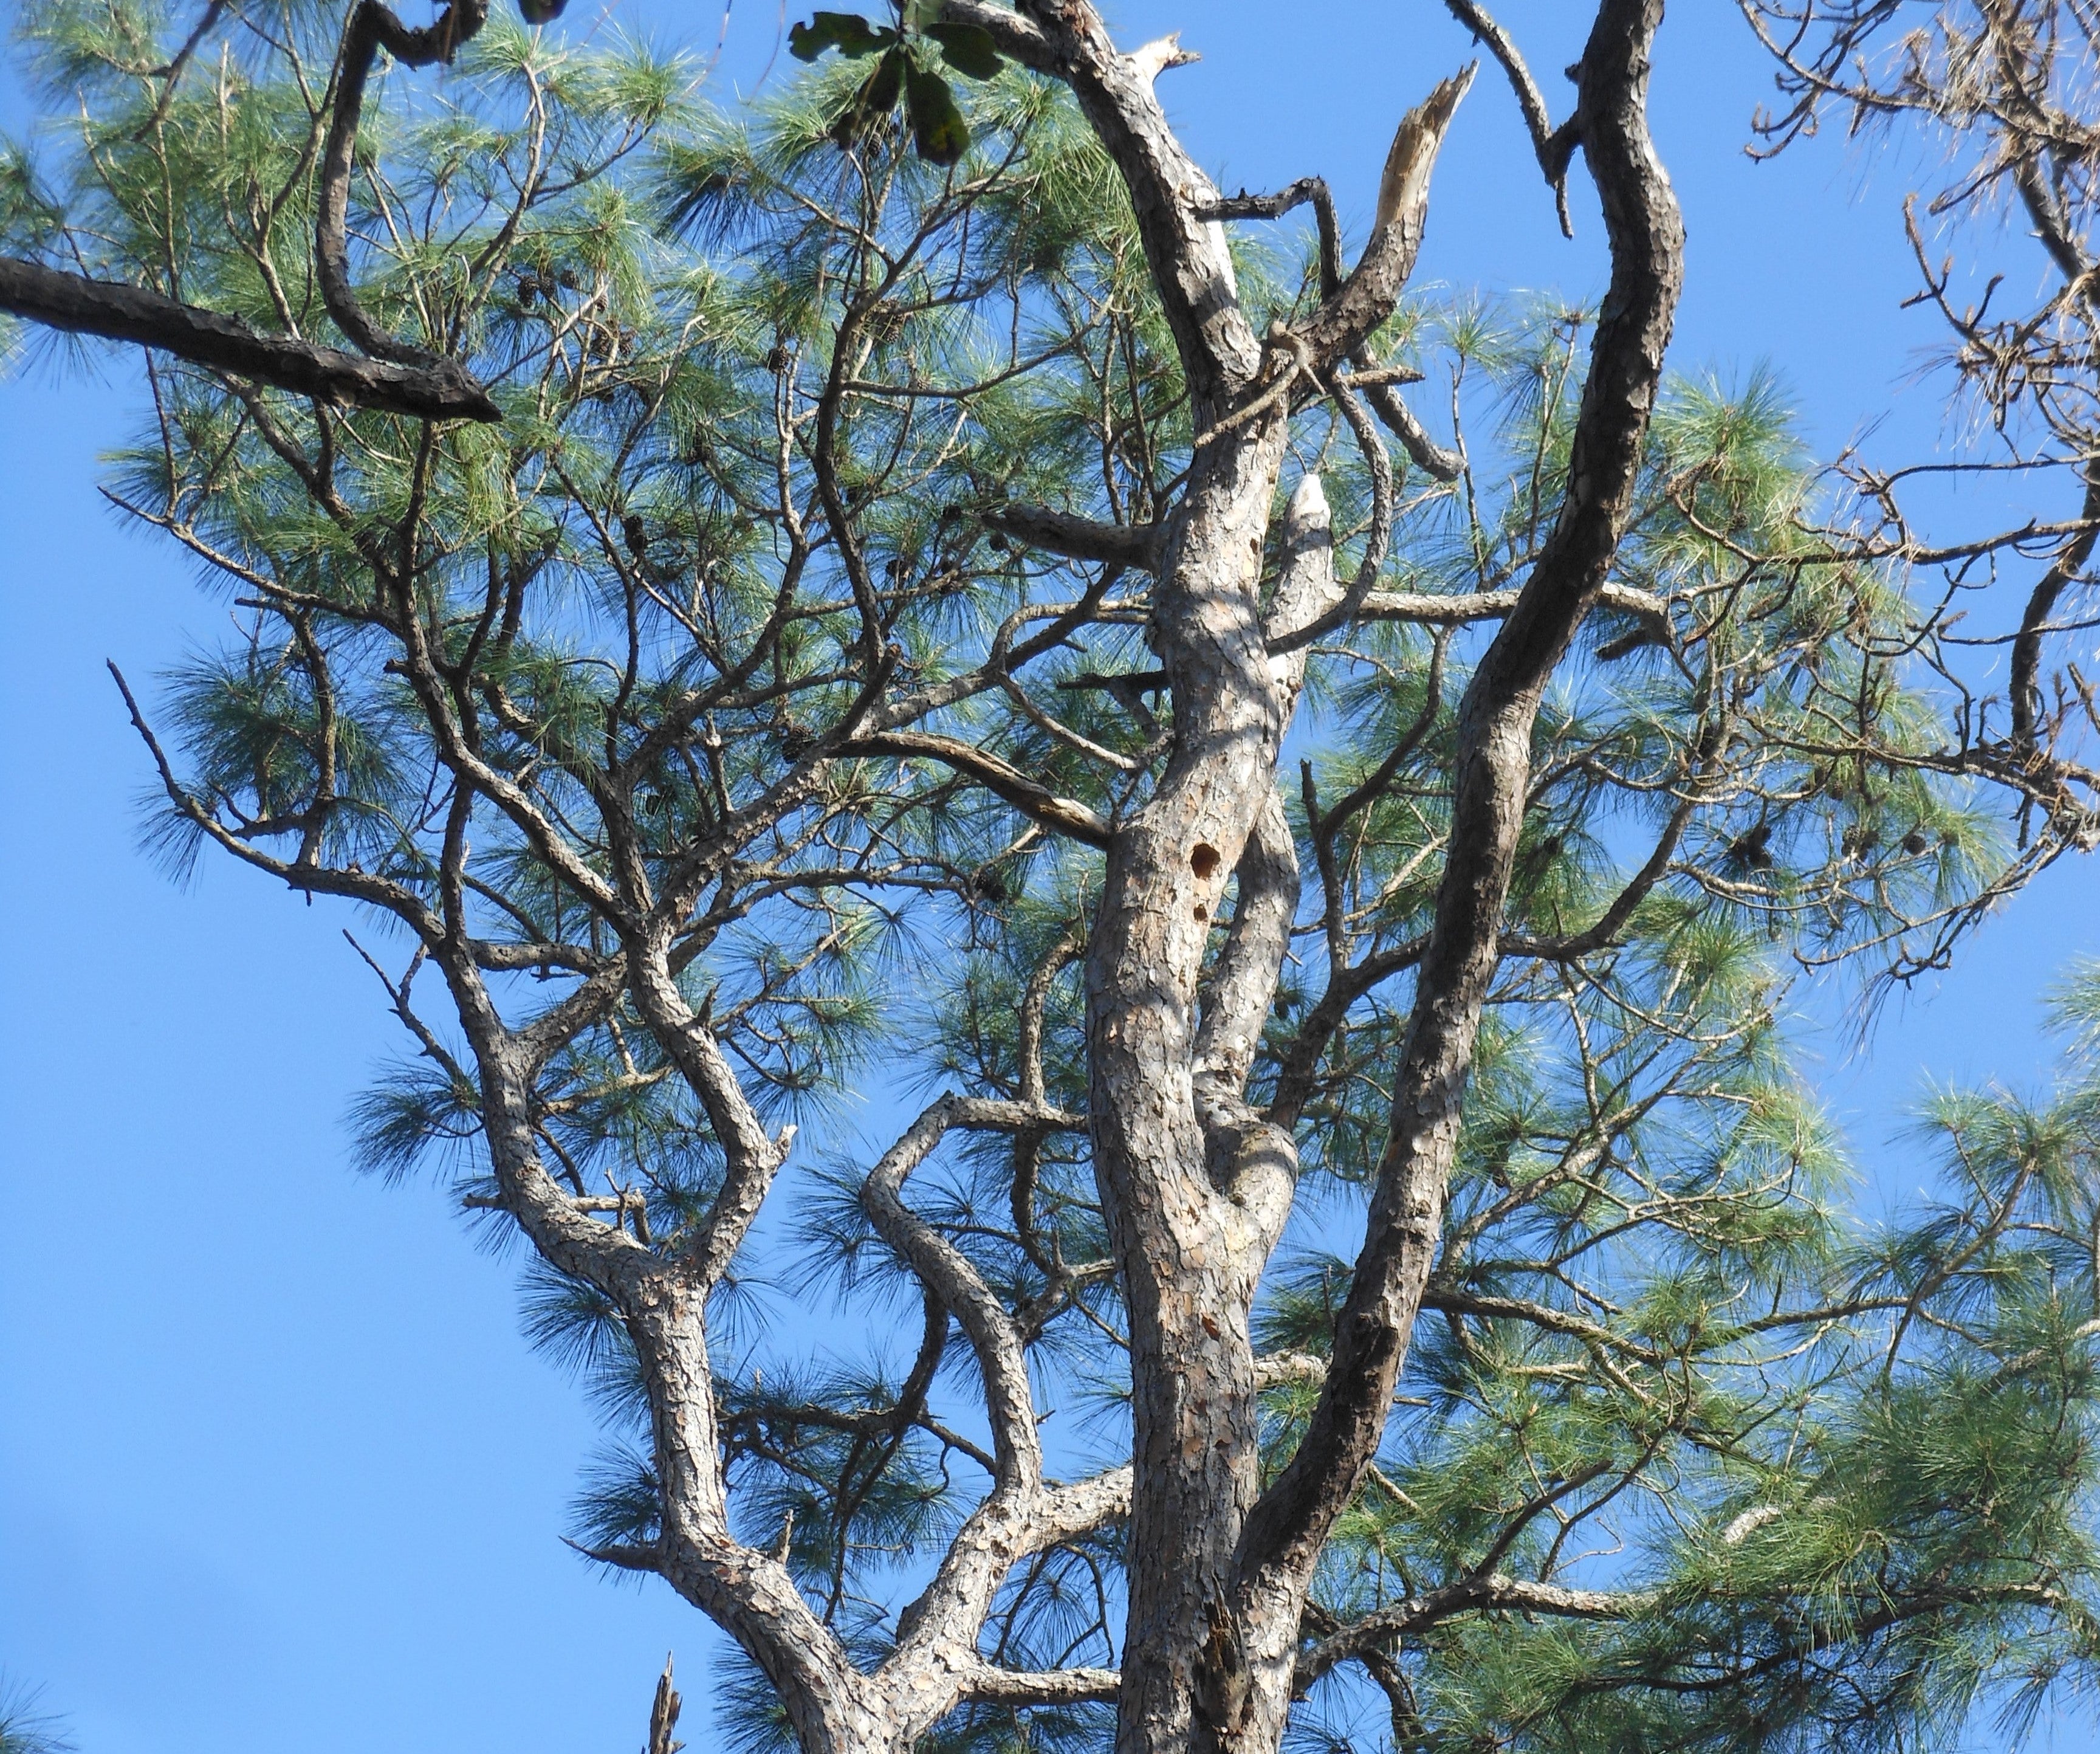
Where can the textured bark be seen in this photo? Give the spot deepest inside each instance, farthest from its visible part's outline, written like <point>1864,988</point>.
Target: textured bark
<point>749,1594</point>
<point>1191,267</point>
<point>1367,297</point>
<point>1194,1187</point>
<point>663,1715</point>
<point>1189,1254</point>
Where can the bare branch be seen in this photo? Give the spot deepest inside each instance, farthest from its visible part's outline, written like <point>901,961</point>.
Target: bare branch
<point>989,1686</point>
<point>1554,146</point>
<point>1061,532</point>
<point>1372,290</point>
<point>663,1715</point>
<point>433,390</point>
<point>1287,1530</point>
<point>1001,778</point>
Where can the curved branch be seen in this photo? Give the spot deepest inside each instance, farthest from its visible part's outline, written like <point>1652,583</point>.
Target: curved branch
<point>1431,458</point>
<point>1191,265</point>
<point>1313,189</point>
<point>429,389</point>
<point>1554,146</point>
<point>751,1157</point>
<point>1287,1528</point>
<point>949,1274</point>
<point>2024,688</point>
<point>999,777</point>
<point>372,27</point>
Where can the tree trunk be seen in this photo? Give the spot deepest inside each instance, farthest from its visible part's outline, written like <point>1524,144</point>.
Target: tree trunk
<point>1196,1186</point>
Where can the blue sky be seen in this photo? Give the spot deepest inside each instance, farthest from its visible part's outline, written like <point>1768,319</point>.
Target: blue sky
<point>277,1468</point>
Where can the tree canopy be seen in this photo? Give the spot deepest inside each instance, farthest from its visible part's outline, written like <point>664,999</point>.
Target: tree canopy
<point>950,605</point>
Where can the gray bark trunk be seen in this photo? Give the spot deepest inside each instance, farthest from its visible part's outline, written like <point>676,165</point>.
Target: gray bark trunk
<point>1189,1246</point>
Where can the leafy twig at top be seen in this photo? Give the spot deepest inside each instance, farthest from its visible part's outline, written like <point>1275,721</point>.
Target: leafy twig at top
<point>904,69</point>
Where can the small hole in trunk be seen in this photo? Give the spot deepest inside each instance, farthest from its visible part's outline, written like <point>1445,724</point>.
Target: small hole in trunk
<point>1204,861</point>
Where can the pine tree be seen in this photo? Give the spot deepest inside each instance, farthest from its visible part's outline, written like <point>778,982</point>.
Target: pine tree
<point>936,612</point>
<point>24,1729</point>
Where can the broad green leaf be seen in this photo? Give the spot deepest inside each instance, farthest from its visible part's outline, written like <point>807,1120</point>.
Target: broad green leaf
<point>849,33</point>
<point>876,98</point>
<point>879,96</point>
<point>968,48</point>
<point>937,128</point>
